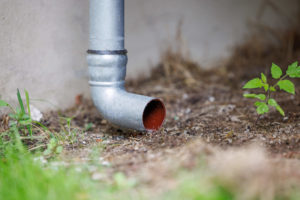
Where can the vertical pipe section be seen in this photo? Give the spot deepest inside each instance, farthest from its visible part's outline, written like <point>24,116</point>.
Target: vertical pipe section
<point>107,59</point>
<point>107,25</point>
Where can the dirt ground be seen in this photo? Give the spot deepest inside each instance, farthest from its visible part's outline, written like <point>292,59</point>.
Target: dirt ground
<point>206,104</point>
<point>205,111</point>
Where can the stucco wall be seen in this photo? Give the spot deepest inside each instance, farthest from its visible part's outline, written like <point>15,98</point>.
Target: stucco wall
<point>42,49</point>
<point>43,43</point>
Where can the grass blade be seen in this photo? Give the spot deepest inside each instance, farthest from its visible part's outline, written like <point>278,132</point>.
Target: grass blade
<point>5,104</point>
<point>29,127</point>
<point>20,101</point>
<point>23,110</point>
<point>28,103</point>
<point>41,125</point>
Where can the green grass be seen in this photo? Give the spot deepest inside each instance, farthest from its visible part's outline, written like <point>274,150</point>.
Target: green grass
<point>21,177</point>
<point>197,189</point>
<point>24,177</point>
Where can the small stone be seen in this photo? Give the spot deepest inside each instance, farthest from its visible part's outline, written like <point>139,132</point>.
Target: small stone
<point>234,118</point>
<point>36,114</point>
<point>97,176</point>
<point>211,99</point>
<point>187,111</point>
<point>78,169</point>
<point>106,141</point>
<point>185,96</point>
<point>105,163</point>
<point>226,108</point>
<point>40,159</point>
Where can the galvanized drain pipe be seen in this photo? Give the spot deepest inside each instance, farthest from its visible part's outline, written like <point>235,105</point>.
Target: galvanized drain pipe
<point>107,61</point>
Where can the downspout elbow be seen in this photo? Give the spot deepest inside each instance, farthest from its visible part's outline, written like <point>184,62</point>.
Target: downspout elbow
<point>128,110</point>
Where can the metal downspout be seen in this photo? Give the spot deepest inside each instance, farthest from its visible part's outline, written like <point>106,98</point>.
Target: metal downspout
<point>107,59</point>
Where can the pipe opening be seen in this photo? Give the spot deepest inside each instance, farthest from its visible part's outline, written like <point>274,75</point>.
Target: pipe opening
<point>154,115</point>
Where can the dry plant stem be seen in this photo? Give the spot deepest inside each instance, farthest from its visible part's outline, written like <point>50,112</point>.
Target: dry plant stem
<point>32,137</point>
<point>257,120</point>
<point>41,130</point>
<point>269,3</point>
<point>37,147</point>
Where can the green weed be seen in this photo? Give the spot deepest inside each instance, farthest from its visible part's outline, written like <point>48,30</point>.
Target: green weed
<point>265,101</point>
<point>22,126</point>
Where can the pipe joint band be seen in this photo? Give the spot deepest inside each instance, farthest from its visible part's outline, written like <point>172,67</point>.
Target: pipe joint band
<point>107,84</point>
<point>107,52</point>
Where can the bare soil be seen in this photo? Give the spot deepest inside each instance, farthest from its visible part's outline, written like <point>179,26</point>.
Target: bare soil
<point>204,104</point>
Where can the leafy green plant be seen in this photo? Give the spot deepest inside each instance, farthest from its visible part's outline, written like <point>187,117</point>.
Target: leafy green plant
<point>20,120</point>
<point>21,128</point>
<point>53,147</point>
<point>265,101</point>
<point>69,133</point>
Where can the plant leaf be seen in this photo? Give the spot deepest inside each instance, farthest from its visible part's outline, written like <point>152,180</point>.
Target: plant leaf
<point>279,109</point>
<point>3,103</point>
<point>293,70</point>
<point>250,95</point>
<point>261,97</point>
<point>254,83</point>
<point>262,108</point>
<point>257,103</point>
<point>41,125</point>
<point>266,86</point>
<point>25,122</point>
<point>287,86</point>
<point>272,89</point>
<point>258,96</point>
<point>20,101</point>
<point>272,102</point>
<point>59,149</point>
<point>263,77</point>
<point>276,71</point>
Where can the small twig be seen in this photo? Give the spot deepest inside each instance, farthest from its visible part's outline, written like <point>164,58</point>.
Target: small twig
<point>31,137</point>
<point>257,120</point>
<point>37,147</point>
<point>270,4</point>
<point>41,130</point>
